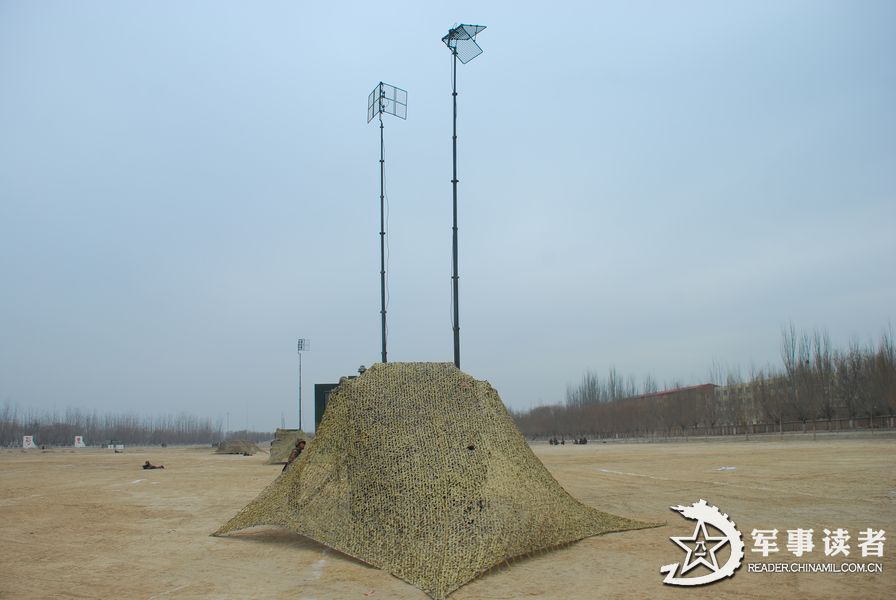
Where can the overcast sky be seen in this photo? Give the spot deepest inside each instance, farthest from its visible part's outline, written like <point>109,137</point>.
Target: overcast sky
<point>188,187</point>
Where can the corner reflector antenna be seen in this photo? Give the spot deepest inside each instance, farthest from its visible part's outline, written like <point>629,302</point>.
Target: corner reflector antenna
<point>462,42</point>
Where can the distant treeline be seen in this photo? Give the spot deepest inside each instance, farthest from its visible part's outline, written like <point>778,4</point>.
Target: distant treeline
<point>813,383</point>
<point>50,428</point>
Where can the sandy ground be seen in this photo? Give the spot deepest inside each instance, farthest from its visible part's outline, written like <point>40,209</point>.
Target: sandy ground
<point>92,524</point>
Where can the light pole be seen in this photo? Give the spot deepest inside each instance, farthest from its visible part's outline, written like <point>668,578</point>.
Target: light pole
<point>461,40</point>
<point>303,345</point>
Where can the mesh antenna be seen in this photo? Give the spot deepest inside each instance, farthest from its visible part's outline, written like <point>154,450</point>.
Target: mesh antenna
<point>387,99</point>
<point>461,40</point>
<point>391,100</point>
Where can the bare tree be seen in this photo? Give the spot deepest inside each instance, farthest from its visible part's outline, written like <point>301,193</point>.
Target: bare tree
<point>791,359</point>
<point>851,380</point>
<point>824,373</point>
<point>650,386</point>
<point>880,375</point>
<point>766,389</point>
<point>740,401</point>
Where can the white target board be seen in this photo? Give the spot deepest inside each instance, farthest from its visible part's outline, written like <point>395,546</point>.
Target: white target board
<point>79,442</point>
<point>28,441</point>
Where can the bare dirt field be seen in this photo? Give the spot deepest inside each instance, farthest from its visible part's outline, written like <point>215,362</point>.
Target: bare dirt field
<point>89,523</point>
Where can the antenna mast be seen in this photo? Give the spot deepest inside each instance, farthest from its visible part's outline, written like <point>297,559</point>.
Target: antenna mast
<point>461,40</point>
<point>388,99</point>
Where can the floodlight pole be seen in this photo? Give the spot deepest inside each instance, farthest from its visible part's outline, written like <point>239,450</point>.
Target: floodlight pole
<point>300,390</point>
<point>454,277</point>
<point>301,345</point>
<point>382,235</point>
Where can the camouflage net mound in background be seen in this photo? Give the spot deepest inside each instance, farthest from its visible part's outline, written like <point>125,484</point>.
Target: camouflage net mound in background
<point>237,447</point>
<point>284,441</point>
<point>418,469</point>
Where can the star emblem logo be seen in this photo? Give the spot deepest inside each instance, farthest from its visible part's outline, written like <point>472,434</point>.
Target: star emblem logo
<point>701,549</point>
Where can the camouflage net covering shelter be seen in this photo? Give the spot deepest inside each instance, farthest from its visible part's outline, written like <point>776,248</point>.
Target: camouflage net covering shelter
<point>418,469</point>
<point>284,441</point>
<point>237,447</point>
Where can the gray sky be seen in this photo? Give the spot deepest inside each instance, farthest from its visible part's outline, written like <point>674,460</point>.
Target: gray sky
<point>187,187</point>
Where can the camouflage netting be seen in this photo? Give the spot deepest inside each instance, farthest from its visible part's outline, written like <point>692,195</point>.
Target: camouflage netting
<point>237,447</point>
<point>418,469</point>
<point>284,441</point>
